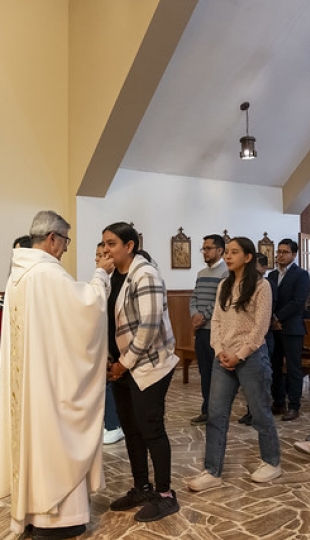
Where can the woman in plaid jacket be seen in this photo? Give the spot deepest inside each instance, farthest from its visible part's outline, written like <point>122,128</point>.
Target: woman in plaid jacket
<point>141,346</point>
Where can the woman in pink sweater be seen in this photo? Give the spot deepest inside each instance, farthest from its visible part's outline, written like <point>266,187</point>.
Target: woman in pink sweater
<point>239,324</point>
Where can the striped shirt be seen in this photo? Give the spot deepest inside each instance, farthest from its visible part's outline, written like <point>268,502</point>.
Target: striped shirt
<point>203,297</point>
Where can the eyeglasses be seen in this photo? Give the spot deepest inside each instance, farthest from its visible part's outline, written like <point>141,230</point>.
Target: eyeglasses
<point>202,250</point>
<point>66,238</point>
<point>283,252</point>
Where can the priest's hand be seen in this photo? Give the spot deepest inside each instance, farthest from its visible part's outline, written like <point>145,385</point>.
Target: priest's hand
<point>106,263</point>
<point>115,371</point>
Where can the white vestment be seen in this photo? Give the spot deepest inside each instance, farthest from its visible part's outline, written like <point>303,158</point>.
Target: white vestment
<point>52,387</point>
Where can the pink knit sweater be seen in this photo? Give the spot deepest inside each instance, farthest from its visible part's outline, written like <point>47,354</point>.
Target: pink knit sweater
<point>244,332</point>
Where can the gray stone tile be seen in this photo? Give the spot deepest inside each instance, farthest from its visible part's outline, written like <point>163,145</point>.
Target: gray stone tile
<point>238,510</point>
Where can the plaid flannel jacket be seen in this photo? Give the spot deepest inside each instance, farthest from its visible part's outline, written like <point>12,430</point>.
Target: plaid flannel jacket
<point>143,330</point>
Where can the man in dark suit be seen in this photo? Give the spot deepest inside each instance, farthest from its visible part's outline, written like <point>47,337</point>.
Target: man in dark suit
<point>293,286</point>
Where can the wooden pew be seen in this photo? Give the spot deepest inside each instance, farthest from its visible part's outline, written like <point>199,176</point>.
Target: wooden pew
<point>178,305</point>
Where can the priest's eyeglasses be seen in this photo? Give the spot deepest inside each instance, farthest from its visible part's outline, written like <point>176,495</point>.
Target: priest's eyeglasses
<point>66,238</point>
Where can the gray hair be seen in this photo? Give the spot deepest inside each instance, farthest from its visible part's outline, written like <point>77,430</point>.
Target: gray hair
<point>45,222</point>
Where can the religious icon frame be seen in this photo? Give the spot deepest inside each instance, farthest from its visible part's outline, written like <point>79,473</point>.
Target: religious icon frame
<point>266,246</point>
<point>180,251</point>
<point>226,236</point>
<point>140,235</point>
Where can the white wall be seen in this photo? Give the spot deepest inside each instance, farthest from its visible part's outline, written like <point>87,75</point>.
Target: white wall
<point>159,204</point>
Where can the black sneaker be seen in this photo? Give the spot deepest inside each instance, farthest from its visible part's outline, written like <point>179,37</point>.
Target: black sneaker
<point>27,532</point>
<point>134,497</point>
<point>158,507</point>
<point>58,533</point>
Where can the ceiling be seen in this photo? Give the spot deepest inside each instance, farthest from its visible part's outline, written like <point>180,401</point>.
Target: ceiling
<point>230,52</point>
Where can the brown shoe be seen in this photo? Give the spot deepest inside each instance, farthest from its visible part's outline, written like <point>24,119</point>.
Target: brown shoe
<point>278,410</point>
<point>291,414</point>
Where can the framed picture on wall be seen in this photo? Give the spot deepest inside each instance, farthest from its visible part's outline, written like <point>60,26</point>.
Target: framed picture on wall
<point>226,236</point>
<point>266,246</point>
<point>180,250</point>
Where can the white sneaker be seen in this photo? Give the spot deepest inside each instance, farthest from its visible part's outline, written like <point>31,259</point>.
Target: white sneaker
<point>204,481</point>
<point>266,473</point>
<point>112,436</point>
<point>303,446</point>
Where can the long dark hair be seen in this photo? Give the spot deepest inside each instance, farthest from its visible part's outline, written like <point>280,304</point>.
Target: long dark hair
<point>249,280</point>
<point>125,232</point>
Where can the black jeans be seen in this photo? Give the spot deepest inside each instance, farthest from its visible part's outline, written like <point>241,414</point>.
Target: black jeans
<point>141,415</point>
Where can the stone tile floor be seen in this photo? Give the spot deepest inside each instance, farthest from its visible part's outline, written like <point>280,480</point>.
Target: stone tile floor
<point>238,510</point>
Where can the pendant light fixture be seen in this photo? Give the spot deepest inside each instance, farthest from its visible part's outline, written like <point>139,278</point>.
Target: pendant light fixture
<point>247,142</point>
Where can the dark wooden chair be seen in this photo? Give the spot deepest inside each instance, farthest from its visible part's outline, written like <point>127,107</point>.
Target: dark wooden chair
<point>178,305</point>
<point>306,349</point>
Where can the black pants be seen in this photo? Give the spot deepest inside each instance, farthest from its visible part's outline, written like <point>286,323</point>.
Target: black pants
<point>205,357</point>
<point>290,347</point>
<point>141,415</point>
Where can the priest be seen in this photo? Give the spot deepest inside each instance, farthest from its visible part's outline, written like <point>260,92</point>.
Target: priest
<point>52,385</point>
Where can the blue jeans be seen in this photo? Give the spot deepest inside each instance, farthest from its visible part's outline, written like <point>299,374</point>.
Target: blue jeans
<point>254,375</point>
<point>205,357</point>
<point>111,420</point>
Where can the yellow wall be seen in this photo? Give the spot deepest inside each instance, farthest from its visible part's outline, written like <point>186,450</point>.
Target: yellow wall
<point>39,136</point>
<point>33,114</point>
<point>63,65</point>
<point>159,36</point>
<point>33,104</point>
<point>104,38</point>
